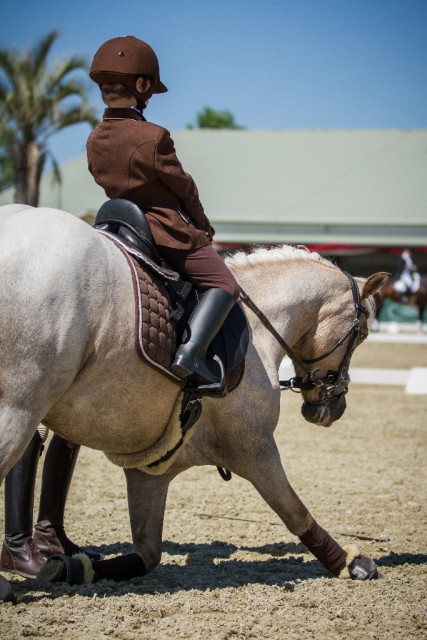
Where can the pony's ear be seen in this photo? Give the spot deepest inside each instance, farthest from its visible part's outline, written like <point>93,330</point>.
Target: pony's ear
<point>374,283</point>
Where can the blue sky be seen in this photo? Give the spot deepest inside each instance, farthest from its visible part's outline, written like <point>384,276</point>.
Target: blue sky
<point>276,64</point>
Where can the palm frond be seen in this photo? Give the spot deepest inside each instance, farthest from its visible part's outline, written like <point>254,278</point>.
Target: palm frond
<point>36,101</point>
<point>62,70</point>
<point>56,171</point>
<point>77,115</point>
<point>39,53</point>
<point>67,89</point>
<point>8,65</point>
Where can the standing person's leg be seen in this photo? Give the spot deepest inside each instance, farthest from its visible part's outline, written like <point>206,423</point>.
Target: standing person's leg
<point>58,469</point>
<point>23,551</point>
<point>206,269</point>
<point>19,553</point>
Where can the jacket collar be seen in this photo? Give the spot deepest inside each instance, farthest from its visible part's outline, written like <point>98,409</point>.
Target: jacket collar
<point>122,113</point>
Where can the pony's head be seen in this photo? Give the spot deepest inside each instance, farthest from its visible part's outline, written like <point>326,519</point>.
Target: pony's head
<point>324,317</point>
<point>325,388</point>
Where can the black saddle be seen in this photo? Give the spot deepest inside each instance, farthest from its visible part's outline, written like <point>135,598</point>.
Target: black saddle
<point>126,220</point>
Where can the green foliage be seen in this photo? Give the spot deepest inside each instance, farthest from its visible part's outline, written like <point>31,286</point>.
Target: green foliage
<point>37,99</point>
<point>211,119</point>
<point>6,171</point>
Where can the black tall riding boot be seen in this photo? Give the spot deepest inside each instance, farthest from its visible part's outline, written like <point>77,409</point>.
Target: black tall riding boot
<point>19,554</point>
<point>49,535</point>
<point>205,322</point>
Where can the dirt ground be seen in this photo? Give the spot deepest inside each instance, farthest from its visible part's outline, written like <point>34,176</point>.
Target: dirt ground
<point>230,569</point>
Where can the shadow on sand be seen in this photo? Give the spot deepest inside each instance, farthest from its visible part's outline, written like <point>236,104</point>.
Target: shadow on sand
<point>206,567</point>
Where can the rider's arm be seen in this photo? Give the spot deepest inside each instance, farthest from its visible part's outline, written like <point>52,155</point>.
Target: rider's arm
<point>169,170</point>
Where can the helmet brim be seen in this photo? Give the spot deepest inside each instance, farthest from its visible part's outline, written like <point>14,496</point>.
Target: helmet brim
<point>161,88</point>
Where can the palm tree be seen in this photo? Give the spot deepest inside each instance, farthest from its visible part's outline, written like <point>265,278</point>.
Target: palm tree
<point>37,101</point>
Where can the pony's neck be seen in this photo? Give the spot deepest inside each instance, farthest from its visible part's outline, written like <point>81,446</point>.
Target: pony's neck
<point>291,293</point>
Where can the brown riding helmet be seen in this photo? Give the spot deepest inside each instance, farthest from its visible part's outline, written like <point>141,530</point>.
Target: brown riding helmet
<point>122,60</point>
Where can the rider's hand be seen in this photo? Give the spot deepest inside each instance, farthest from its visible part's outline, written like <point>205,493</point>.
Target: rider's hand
<point>210,232</point>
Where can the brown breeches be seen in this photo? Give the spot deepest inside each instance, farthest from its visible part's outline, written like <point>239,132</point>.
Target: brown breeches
<point>204,267</point>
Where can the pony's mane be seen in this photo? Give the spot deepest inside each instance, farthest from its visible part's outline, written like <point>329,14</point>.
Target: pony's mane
<point>262,255</point>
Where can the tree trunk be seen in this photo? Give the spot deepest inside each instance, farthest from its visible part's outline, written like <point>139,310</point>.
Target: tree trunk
<point>28,174</point>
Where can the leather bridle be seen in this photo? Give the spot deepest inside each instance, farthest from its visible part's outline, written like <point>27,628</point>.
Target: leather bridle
<point>334,379</point>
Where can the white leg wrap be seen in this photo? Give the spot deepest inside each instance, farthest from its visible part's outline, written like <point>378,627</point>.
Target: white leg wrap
<point>352,552</point>
<point>88,571</point>
<point>43,432</point>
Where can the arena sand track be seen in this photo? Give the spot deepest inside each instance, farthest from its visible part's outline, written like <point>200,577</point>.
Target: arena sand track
<point>230,569</point>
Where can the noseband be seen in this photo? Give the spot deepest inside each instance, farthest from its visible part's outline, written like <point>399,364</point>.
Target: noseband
<point>333,379</point>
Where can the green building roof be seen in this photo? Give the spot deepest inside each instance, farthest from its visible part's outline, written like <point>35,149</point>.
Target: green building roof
<point>360,187</point>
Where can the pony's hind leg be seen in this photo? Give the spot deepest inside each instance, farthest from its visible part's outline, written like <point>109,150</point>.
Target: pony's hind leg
<point>147,500</point>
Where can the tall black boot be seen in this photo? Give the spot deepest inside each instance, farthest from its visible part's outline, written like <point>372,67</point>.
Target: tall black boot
<point>205,322</point>
<point>49,534</point>
<point>19,554</point>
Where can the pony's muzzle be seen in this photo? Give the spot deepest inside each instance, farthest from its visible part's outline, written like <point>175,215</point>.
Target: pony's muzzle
<point>324,412</point>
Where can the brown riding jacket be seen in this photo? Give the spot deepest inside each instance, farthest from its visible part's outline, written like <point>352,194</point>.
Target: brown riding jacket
<point>135,159</point>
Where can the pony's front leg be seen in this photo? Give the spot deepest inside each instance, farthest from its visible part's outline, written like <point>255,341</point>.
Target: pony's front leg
<point>269,478</point>
<point>147,500</point>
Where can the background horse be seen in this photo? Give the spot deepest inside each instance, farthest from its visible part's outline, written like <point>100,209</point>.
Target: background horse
<point>418,299</point>
<point>68,360</point>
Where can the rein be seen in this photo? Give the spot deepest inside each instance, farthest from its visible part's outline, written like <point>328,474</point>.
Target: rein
<point>333,379</point>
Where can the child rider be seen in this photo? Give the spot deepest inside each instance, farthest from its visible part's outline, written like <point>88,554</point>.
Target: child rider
<point>135,159</point>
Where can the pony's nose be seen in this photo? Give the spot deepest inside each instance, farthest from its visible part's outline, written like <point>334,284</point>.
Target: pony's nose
<point>326,412</point>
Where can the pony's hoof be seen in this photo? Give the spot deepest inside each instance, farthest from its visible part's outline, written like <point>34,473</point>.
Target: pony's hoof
<point>363,568</point>
<point>6,593</point>
<point>61,568</point>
